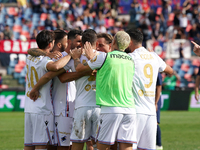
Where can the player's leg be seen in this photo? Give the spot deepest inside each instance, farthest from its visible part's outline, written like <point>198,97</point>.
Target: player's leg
<point>126,135</point>
<point>77,146</point>
<point>43,129</point>
<point>101,146</point>
<point>114,147</point>
<point>125,146</point>
<point>29,147</point>
<point>89,145</point>
<point>28,132</point>
<point>94,125</point>
<point>108,128</point>
<point>148,136</point>
<point>62,132</point>
<point>81,130</point>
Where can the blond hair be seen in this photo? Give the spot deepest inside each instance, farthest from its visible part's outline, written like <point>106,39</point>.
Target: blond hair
<point>122,39</point>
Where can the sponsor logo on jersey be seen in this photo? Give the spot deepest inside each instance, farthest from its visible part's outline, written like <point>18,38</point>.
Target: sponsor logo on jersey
<point>120,56</point>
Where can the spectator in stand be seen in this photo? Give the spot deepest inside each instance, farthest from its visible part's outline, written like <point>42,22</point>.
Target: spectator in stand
<point>46,7</point>
<point>48,23</point>
<point>181,54</point>
<point>193,32</point>
<point>56,7</point>
<point>68,23</point>
<point>156,33</point>
<point>8,34</point>
<point>145,6</point>
<point>36,6</point>
<point>87,16</point>
<point>78,11</point>
<point>60,22</point>
<point>187,6</point>
<point>169,82</point>
<point>183,21</point>
<point>135,12</point>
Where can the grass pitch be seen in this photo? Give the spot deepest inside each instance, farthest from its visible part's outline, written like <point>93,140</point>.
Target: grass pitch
<point>180,130</point>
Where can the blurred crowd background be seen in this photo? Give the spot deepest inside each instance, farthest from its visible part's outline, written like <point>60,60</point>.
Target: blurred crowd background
<point>159,20</point>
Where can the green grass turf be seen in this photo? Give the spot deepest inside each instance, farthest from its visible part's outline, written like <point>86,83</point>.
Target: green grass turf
<point>180,130</point>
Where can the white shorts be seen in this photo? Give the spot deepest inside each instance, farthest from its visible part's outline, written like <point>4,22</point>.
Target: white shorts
<point>85,124</point>
<point>146,131</point>
<point>63,128</point>
<point>39,129</point>
<point>117,127</point>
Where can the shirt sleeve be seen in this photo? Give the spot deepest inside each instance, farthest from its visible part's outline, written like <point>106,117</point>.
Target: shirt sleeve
<point>159,79</point>
<point>45,61</point>
<point>97,61</point>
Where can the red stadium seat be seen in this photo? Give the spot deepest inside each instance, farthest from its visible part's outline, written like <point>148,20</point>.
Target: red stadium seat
<point>185,67</point>
<point>17,28</point>
<point>43,16</point>
<point>12,11</point>
<point>170,62</point>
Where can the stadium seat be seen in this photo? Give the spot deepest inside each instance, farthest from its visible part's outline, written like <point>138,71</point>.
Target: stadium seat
<point>17,28</point>
<point>185,67</point>
<point>43,16</point>
<point>16,75</point>
<point>188,77</point>
<point>16,35</point>
<point>191,85</point>
<point>18,68</point>
<point>26,34</point>
<point>12,11</point>
<point>178,62</point>
<point>195,62</point>
<point>28,13</point>
<point>2,18</point>
<point>170,62</point>
<point>181,73</point>
<point>190,71</point>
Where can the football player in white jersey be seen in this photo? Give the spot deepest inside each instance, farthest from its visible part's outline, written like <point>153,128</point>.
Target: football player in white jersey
<point>147,66</point>
<point>86,112</point>
<point>63,103</point>
<point>39,114</point>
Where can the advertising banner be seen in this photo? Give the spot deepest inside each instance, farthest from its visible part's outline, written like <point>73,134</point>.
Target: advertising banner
<point>20,101</point>
<point>194,104</point>
<point>165,100</point>
<point>7,100</point>
<point>18,47</point>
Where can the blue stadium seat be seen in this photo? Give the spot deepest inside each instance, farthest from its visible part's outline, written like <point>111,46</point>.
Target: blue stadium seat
<point>28,13</point>
<point>2,18</point>
<point>10,70</point>
<point>21,80</point>
<point>16,35</point>
<point>181,73</point>
<point>178,62</point>
<point>191,71</point>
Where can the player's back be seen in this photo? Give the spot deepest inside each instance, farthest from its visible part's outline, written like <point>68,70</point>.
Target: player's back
<point>147,66</point>
<point>36,68</point>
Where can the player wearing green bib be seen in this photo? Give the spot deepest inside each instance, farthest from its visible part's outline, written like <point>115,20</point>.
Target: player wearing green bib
<point>115,71</point>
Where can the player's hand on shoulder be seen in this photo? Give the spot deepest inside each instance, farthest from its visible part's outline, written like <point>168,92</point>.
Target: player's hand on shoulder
<point>89,51</point>
<point>54,55</point>
<point>76,53</point>
<point>34,94</point>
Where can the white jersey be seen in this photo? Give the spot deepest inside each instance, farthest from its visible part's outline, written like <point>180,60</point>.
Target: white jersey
<point>85,86</point>
<point>36,68</point>
<point>63,95</point>
<point>147,66</point>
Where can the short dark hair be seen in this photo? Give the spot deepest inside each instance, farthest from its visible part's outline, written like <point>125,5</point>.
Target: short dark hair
<point>108,38</point>
<point>44,38</point>
<point>59,35</point>
<point>89,35</point>
<point>135,35</point>
<point>72,34</point>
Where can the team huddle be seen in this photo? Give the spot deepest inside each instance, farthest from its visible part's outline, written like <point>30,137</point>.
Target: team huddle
<point>94,88</point>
